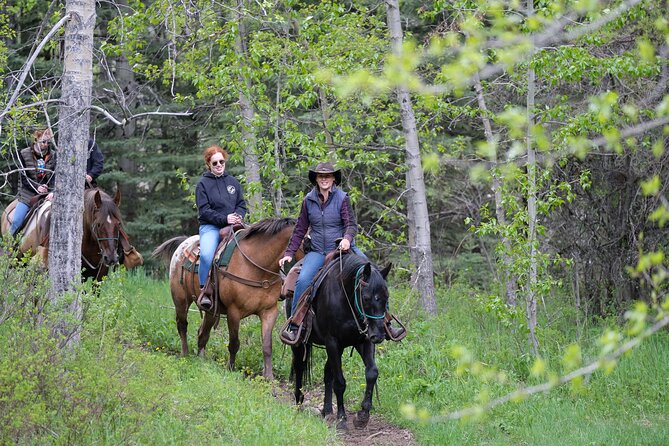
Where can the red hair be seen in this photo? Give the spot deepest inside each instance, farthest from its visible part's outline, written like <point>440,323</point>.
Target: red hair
<point>213,150</point>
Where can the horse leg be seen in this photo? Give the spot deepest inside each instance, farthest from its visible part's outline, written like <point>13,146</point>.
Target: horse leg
<point>181,305</point>
<point>300,358</point>
<point>367,352</point>
<point>338,382</point>
<point>233,332</point>
<point>328,377</point>
<point>203,332</point>
<point>267,321</point>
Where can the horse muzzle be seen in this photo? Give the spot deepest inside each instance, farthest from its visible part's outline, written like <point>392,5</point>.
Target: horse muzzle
<point>110,260</point>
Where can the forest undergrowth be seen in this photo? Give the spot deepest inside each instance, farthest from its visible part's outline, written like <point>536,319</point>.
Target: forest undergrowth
<point>127,385</point>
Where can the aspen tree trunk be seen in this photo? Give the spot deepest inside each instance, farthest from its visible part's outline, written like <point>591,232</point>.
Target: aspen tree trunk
<point>531,207</point>
<point>417,216</point>
<point>509,278</point>
<point>74,120</point>
<point>251,163</point>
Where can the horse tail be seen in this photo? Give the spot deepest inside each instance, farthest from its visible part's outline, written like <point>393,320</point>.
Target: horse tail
<point>165,251</point>
<point>302,359</point>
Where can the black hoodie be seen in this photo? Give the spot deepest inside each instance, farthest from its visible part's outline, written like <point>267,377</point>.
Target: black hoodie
<point>216,197</point>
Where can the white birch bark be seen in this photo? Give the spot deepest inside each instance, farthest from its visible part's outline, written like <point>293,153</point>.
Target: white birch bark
<point>531,307</point>
<point>509,279</point>
<point>253,193</point>
<point>417,216</point>
<point>74,120</point>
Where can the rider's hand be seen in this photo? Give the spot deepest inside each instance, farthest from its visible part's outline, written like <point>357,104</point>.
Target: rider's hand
<point>50,196</point>
<point>284,260</point>
<point>42,189</point>
<point>344,245</point>
<point>234,219</point>
<point>89,178</point>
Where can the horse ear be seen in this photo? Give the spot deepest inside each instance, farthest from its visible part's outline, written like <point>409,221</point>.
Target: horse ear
<point>386,270</point>
<point>117,197</point>
<point>367,272</point>
<point>98,199</point>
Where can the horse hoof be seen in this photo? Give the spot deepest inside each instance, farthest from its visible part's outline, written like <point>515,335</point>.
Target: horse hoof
<point>341,424</point>
<point>361,419</point>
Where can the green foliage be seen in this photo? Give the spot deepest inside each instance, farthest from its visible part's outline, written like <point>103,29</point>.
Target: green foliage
<point>117,387</point>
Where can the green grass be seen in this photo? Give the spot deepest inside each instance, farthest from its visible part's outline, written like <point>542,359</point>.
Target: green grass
<point>127,384</point>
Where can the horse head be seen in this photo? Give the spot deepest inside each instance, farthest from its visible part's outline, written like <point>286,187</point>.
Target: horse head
<point>371,299</point>
<point>102,223</point>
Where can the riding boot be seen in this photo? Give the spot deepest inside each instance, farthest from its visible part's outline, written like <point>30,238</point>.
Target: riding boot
<point>392,333</point>
<point>204,301</point>
<point>290,333</point>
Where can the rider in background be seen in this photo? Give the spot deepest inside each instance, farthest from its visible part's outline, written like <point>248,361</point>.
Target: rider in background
<point>220,203</point>
<point>37,176</point>
<point>327,213</point>
<point>94,164</point>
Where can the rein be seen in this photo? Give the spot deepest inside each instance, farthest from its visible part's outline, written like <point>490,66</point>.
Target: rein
<point>357,299</point>
<point>254,283</point>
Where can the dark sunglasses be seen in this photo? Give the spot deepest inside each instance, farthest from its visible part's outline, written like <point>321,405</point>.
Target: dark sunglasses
<point>216,163</point>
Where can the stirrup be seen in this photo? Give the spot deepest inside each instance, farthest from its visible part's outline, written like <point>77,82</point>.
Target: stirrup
<point>203,294</point>
<point>389,334</point>
<point>285,330</point>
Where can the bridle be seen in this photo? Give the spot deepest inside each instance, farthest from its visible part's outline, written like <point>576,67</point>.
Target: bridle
<point>359,311</point>
<point>94,231</point>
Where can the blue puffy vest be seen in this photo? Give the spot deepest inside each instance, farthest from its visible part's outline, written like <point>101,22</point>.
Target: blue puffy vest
<point>326,223</point>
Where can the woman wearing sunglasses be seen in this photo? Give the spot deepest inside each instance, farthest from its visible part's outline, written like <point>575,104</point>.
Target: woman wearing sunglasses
<point>220,203</point>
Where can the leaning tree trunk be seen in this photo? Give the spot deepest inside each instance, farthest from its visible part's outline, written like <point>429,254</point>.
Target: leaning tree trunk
<point>531,307</point>
<point>421,249</point>
<point>74,120</point>
<point>251,162</point>
<point>509,277</point>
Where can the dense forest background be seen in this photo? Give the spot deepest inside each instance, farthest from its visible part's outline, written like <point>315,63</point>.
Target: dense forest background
<point>509,158</point>
<point>284,85</point>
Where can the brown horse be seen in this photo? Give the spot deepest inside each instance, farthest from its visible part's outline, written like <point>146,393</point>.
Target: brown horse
<point>250,285</point>
<point>102,232</point>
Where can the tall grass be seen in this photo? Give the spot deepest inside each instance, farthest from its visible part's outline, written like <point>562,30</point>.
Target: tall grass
<point>127,384</point>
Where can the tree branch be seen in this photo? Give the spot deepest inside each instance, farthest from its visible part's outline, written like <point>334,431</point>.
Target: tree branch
<point>125,120</point>
<point>545,387</point>
<point>29,63</point>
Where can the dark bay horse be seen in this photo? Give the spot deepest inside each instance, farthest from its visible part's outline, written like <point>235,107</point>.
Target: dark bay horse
<point>250,285</point>
<point>349,309</point>
<point>102,229</point>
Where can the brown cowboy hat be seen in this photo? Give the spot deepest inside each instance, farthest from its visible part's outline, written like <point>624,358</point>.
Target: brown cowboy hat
<point>324,168</point>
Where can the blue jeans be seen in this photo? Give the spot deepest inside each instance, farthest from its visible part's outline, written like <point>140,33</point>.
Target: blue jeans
<point>209,238</point>
<point>313,261</point>
<point>19,215</point>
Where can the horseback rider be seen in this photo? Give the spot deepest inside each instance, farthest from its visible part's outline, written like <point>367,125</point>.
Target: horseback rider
<point>326,211</point>
<point>94,164</point>
<point>37,177</point>
<point>220,203</point>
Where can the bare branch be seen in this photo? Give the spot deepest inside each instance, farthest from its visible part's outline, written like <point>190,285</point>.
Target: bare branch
<point>29,63</point>
<point>634,130</point>
<point>131,117</point>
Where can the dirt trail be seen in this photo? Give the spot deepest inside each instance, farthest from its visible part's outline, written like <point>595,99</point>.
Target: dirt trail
<point>378,432</point>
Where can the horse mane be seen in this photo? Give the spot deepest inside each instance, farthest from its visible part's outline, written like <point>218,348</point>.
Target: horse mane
<point>351,262</point>
<point>269,226</point>
<point>107,208</point>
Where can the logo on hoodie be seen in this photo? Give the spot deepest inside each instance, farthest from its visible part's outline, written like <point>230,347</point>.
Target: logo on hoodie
<point>231,189</point>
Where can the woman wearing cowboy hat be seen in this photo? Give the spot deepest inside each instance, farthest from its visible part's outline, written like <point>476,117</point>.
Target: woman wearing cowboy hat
<point>326,211</point>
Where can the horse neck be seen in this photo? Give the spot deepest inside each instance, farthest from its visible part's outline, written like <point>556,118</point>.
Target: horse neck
<point>271,247</point>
